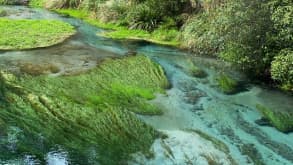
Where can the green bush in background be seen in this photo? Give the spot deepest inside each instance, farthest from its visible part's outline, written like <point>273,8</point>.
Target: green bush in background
<point>247,33</point>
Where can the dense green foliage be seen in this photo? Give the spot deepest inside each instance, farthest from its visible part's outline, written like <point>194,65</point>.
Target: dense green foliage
<point>83,113</point>
<point>282,69</point>
<point>247,33</point>
<point>26,34</point>
<point>144,14</point>
<point>152,20</point>
<point>149,14</point>
<point>235,31</point>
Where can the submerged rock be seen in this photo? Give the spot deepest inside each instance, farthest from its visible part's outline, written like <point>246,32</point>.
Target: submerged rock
<point>131,53</point>
<point>38,69</point>
<point>227,84</point>
<point>263,122</point>
<point>193,70</point>
<point>193,96</point>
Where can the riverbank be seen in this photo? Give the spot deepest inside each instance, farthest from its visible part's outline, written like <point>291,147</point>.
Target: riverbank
<point>263,49</point>
<point>117,31</point>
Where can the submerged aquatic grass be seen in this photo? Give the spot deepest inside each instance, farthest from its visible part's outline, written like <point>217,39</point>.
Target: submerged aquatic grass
<point>27,34</point>
<point>281,120</point>
<point>84,112</point>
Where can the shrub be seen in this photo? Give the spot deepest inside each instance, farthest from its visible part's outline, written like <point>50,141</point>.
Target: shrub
<point>143,16</point>
<point>149,14</point>
<point>202,33</point>
<point>282,69</point>
<point>107,12</point>
<point>282,35</point>
<point>237,31</point>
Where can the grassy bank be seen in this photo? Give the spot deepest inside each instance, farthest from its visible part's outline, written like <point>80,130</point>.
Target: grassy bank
<point>117,31</point>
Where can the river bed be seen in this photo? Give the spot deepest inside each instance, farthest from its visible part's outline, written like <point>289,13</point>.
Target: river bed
<point>191,106</point>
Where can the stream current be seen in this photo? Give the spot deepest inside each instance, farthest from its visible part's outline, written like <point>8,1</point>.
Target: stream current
<point>190,104</point>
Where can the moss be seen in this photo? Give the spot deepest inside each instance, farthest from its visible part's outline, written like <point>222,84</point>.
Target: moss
<point>227,84</point>
<point>116,31</point>
<point>283,121</point>
<point>86,111</point>
<point>27,34</point>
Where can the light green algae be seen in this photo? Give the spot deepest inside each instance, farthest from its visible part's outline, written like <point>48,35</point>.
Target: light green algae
<point>28,34</point>
<point>283,121</point>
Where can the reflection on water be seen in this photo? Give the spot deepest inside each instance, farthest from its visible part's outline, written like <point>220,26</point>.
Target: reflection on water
<point>69,58</point>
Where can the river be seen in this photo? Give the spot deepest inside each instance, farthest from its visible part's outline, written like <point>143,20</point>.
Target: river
<point>190,105</point>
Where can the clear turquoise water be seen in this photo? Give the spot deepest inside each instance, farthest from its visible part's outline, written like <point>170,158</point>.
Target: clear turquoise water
<point>191,103</point>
